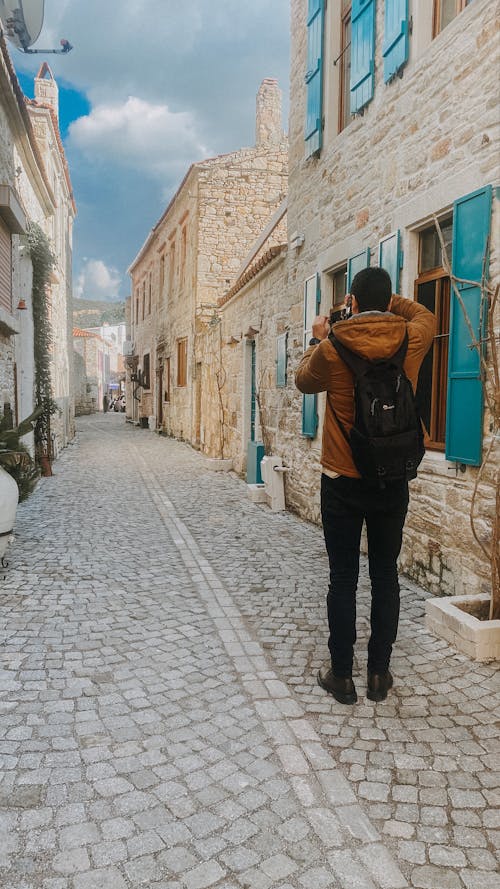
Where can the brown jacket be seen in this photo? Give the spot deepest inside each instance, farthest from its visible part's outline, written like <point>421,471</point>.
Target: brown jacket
<point>372,335</point>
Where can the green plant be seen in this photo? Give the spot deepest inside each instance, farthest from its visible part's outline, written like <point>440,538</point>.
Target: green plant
<point>43,262</point>
<point>15,457</point>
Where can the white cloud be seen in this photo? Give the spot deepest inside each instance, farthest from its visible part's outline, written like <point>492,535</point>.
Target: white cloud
<point>193,68</point>
<point>97,281</point>
<point>139,134</point>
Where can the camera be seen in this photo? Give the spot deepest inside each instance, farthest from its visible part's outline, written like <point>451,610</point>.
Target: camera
<point>340,314</point>
<point>347,310</point>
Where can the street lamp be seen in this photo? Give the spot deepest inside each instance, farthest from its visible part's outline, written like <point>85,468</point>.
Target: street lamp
<point>22,21</point>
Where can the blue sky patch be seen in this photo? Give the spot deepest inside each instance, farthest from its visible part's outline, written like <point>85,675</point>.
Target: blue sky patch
<point>72,103</point>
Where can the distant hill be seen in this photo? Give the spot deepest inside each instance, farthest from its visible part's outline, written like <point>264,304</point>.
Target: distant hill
<point>93,313</point>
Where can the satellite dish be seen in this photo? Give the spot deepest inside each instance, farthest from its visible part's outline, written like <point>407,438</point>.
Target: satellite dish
<point>22,21</point>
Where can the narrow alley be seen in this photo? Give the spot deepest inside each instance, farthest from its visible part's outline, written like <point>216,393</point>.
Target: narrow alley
<point>160,721</point>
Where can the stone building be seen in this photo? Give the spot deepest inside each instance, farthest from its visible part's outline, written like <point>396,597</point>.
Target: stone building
<point>34,187</point>
<point>192,254</point>
<point>388,130</point>
<point>92,370</point>
<point>44,114</point>
<point>26,194</point>
<point>243,399</point>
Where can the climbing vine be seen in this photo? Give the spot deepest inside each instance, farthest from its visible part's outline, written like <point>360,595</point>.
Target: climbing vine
<point>43,262</point>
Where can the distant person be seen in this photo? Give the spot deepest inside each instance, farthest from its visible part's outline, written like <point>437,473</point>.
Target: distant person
<point>382,327</point>
<point>105,404</point>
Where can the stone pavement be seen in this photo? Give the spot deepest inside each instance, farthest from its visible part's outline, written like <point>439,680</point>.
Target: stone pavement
<point>160,722</point>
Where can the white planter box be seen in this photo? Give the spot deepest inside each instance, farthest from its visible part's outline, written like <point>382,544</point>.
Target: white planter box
<point>478,639</point>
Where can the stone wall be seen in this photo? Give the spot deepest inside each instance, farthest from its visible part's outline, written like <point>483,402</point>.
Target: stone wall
<point>224,355</point>
<point>220,209</point>
<point>84,402</point>
<point>18,171</point>
<point>59,230</point>
<point>424,141</point>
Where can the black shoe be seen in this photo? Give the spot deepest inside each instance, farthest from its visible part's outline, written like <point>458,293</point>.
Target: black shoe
<point>378,684</point>
<point>341,687</point>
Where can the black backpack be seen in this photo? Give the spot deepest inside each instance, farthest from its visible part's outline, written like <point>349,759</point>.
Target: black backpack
<point>386,440</point>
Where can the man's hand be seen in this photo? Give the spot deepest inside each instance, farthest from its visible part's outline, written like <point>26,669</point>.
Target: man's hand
<point>321,327</point>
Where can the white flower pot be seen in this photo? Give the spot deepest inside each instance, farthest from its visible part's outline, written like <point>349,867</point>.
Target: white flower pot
<point>9,497</point>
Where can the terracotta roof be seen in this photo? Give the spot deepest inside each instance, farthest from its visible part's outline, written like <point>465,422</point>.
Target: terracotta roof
<point>252,271</point>
<point>80,332</point>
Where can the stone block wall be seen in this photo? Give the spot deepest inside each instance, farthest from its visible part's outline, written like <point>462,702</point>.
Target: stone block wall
<point>220,209</point>
<point>238,194</point>
<point>424,141</point>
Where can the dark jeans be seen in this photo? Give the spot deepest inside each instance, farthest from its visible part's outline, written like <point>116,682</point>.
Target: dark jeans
<point>345,504</point>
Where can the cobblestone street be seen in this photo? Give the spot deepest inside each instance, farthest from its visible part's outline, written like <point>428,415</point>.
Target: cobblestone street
<point>160,721</point>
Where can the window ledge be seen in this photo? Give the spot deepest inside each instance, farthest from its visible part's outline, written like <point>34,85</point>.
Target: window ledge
<point>8,323</point>
<point>436,464</point>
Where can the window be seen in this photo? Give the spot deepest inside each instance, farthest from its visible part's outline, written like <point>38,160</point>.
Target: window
<point>137,309</point>
<point>362,53</point>
<point>445,11</point>
<point>314,77</point>
<point>312,301</point>
<point>182,362</point>
<point>166,395</point>
<point>150,287</point>
<point>432,290</point>
<point>345,115</point>
<point>339,290</point>
<point>162,272</point>
<point>143,299</point>
<point>171,265</point>
<point>146,371</point>
<point>183,253</point>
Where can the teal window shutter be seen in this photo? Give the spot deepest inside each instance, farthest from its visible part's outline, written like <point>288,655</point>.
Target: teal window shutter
<point>396,40</point>
<point>464,417</point>
<point>312,301</point>
<point>281,360</point>
<point>355,264</point>
<point>314,76</point>
<point>390,257</point>
<point>362,53</point>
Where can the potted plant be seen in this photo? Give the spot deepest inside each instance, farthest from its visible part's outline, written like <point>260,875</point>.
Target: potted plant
<point>18,474</point>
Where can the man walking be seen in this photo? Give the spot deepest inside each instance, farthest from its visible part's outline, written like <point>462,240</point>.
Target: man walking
<point>376,331</point>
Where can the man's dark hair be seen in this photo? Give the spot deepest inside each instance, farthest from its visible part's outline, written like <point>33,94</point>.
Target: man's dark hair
<point>373,289</point>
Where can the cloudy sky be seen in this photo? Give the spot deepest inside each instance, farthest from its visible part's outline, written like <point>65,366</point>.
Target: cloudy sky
<point>149,88</point>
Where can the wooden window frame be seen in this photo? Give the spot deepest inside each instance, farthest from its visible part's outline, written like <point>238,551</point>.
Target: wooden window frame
<point>441,340</point>
<point>183,255</point>
<point>171,265</point>
<point>345,15</point>
<point>166,379</point>
<point>460,5</point>
<point>182,362</point>
<point>146,371</point>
